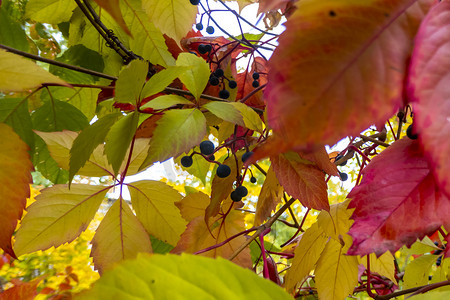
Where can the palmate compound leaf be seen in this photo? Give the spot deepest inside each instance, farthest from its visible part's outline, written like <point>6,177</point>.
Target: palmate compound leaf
<point>174,18</point>
<point>58,216</point>
<point>20,74</point>
<point>346,80</point>
<point>428,89</point>
<point>119,236</point>
<point>176,132</point>
<point>301,179</point>
<point>15,178</point>
<point>197,77</point>
<point>396,202</point>
<point>154,204</point>
<point>182,277</point>
<point>198,237</point>
<point>60,143</point>
<point>270,195</point>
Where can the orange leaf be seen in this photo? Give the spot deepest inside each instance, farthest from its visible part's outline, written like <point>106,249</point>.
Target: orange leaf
<point>302,180</point>
<point>322,89</point>
<point>197,237</point>
<point>22,291</point>
<point>193,205</point>
<point>15,177</point>
<point>113,8</point>
<point>269,197</point>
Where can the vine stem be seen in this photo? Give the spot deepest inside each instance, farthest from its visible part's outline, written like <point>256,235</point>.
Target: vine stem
<point>262,227</point>
<point>419,289</point>
<point>263,252</point>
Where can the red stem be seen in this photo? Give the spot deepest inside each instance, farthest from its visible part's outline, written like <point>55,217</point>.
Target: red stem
<point>263,252</point>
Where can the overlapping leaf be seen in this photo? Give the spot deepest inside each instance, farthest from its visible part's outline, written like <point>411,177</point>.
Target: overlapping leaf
<point>113,8</point>
<point>396,202</point>
<point>428,87</point>
<point>49,11</point>
<point>58,215</point>
<point>383,265</point>
<point>193,205</point>
<point>120,236</point>
<point>15,176</point>
<point>196,78</point>
<point>131,81</point>
<point>346,80</point>
<point>159,276</point>
<point>154,203</point>
<point>417,271</point>
<point>20,74</point>
<point>301,179</point>
<point>269,197</point>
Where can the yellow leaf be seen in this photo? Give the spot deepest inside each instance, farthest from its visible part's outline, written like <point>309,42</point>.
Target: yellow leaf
<point>417,271</point>
<point>15,177</point>
<point>120,236</point>
<point>336,273</point>
<point>154,203</point>
<point>383,265</point>
<point>193,205</point>
<point>174,18</point>
<point>58,215</point>
<point>20,74</point>
<point>269,197</point>
<point>307,254</point>
<point>198,237</point>
<point>113,8</point>
<point>251,118</point>
<point>337,223</point>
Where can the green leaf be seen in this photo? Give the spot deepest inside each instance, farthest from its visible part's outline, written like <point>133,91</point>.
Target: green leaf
<point>159,246</point>
<point>197,77</point>
<point>11,32</point>
<point>183,277</point>
<point>50,11</point>
<point>20,74</point>
<point>119,139</point>
<point>176,132</point>
<point>131,81</point>
<point>47,165</point>
<point>226,111</point>
<point>251,118</point>
<point>58,115</point>
<point>119,236</point>
<point>174,18</point>
<point>166,101</point>
<point>58,216</point>
<point>153,202</point>
<point>14,112</point>
<point>417,271</point>
<point>86,142</point>
<point>158,82</point>
<point>200,167</point>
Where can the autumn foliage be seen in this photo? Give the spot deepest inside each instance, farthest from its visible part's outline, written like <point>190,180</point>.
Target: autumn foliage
<point>360,84</point>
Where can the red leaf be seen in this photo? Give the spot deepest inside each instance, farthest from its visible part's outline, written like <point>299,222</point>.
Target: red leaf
<point>301,179</point>
<point>322,89</point>
<point>447,249</point>
<point>22,291</point>
<point>397,201</point>
<point>429,87</point>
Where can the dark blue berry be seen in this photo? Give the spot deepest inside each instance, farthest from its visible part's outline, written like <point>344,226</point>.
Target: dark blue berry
<point>439,261</point>
<point>410,133</point>
<point>208,48</point>
<point>255,75</point>
<point>343,176</point>
<point>223,171</point>
<point>207,147</point>
<point>224,94</point>
<point>219,72</point>
<point>186,161</point>
<point>246,156</point>
<point>252,179</point>
<point>202,49</point>
<point>232,84</point>
<point>195,2</point>
<point>199,26</point>
<point>235,196</point>
<point>213,80</point>
<point>255,83</point>
<point>241,191</point>
<point>210,29</point>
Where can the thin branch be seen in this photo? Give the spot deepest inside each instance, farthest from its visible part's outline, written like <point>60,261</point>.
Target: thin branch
<point>57,63</point>
<point>412,290</point>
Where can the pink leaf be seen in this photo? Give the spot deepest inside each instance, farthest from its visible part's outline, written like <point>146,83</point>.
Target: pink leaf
<point>340,67</point>
<point>429,88</point>
<point>397,201</point>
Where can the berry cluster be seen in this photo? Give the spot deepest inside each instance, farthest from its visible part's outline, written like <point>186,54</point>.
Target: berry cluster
<point>255,82</point>
<point>217,77</point>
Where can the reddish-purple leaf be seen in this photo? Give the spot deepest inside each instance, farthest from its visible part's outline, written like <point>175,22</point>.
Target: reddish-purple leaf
<point>340,67</point>
<point>397,201</point>
<point>429,88</point>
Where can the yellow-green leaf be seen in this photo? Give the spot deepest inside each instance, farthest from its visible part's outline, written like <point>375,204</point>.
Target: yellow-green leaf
<point>176,132</point>
<point>269,197</point>
<point>226,111</point>
<point>58,216</point>
<point>166,101</point>
<point>307,254</point>
<point>432,295</point>
<point>417,271</point>
<point>174,18</point>
<point>158,82</point>
<point>113,8</point>
<point>383,265</point>
<point>251,118</point>
<point>15,177</point>
<point>154,203</point>
<point>131,81</point>
<point>336,273</point>
<point>119,236</point>
<point>196,78</point>
<point>49,11</point>
<point>184,277</point>
<point>20,74</point>
<point>193,205</point>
